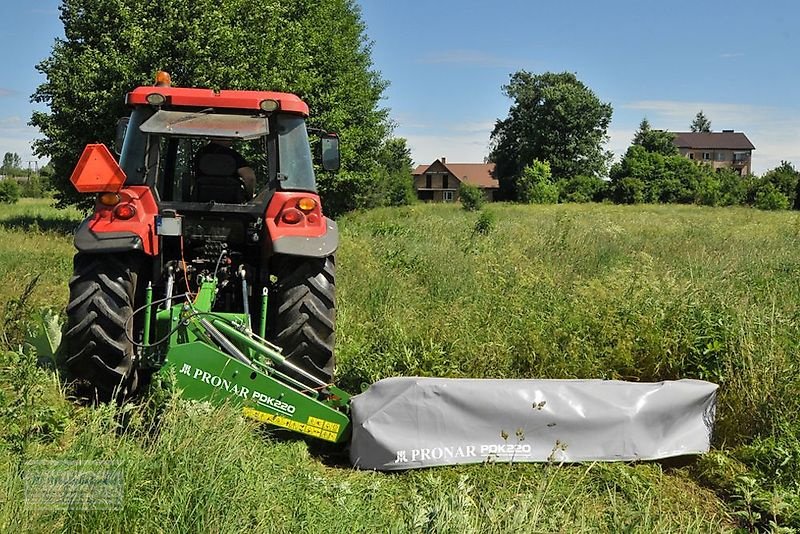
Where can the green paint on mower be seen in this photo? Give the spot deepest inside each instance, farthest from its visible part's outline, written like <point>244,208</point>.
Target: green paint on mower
<point>215,357</point>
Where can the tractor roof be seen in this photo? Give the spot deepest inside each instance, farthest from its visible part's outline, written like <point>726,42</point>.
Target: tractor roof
<point>205,98</point>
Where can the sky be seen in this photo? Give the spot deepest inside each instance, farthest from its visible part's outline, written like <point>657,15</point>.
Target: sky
<point>446,63</point>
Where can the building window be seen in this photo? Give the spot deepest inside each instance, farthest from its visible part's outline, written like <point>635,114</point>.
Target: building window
<point>428,181</point>
<point>706,156</point>
<point>691,155</point>
<point>444,182</point>
<point>720,156</point>
<point>447,196</point>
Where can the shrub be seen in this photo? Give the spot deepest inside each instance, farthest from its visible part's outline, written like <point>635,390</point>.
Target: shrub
<point>485,223</point>
<point>732,188</point>
<point>37,186</point>
<point>709,192</point>
<point>9,191</point>
<point>582,189</point>
<point>536,185</point>
<point>629,191</point>
<point>471,197</point>
<point>769,198</point>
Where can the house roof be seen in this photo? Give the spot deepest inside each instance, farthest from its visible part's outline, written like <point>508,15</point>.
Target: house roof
<point>479,174</point>
<point>713,140</point>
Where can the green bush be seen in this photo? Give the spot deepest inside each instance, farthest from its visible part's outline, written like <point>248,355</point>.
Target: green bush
<point>629,191</point>
<point>768,197</point>
<point>9,191</point>
<point>582,189</point>
<point>732,188</point>
<point>536,184</point>
<point>34,187</point>
<point>471,197</point>
<point>709,191</point>
<point>485,223</point>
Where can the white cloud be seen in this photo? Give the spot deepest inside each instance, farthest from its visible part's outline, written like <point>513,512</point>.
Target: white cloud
<point>17,136</point>
<point>474,58</point>
<point>459,142</point>
<point>456,148</point>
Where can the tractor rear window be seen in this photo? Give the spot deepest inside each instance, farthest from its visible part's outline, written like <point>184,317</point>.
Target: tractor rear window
<point>198,124</point>
<point>250,154</point>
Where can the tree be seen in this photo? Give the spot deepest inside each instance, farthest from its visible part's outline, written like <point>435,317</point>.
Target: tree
<point>11,163</point>
<point>657,141</point>
<point>317,50</point>
<point>395,156</point>
<point>397,183</point>
<point>644,176</point>
<point>582,189</point>
<point>554,118</point>
<point>701,123</point>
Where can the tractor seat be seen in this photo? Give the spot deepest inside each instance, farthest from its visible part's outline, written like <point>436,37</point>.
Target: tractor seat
<point>217,179</point>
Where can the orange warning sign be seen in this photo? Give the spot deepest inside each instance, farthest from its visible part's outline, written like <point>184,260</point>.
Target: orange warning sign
<point>97,171</point>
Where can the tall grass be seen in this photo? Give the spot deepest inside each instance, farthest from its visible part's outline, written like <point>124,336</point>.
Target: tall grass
<point>570,291</point>
<point>640,293</point>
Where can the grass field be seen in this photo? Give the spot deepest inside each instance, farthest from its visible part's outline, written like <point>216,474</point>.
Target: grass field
<point>639,293</point>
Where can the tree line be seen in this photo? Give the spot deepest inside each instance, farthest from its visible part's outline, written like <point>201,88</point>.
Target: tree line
<point>550,148</point>
<point>18,181</point>
<point>317,50</point>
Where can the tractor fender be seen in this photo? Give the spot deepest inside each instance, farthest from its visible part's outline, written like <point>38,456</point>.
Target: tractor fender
<point>92,242</point>
<point>312,247</point>
<point>103,231</point>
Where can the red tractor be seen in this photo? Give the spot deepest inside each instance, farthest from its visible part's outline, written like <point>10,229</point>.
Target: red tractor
<point>208,184</point>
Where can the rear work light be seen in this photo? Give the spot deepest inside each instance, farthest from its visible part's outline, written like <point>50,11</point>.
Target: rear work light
<point>269,105</point>
<point>125,211</point>
<point>156,99</point>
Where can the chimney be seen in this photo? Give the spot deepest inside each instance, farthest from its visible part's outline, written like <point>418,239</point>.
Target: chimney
<point>727,131</point>
<point>443,160</point>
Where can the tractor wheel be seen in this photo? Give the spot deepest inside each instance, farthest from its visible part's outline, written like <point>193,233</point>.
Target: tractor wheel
<point>302,313</point>
<point>98,351</point>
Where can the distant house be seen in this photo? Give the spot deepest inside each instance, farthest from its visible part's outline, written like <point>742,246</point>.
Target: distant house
<point>439,181</point>
<point>725,149</point>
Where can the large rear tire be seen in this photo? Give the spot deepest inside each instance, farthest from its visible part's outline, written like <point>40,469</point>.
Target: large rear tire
<point>302,314</point>
<point>98,351</point>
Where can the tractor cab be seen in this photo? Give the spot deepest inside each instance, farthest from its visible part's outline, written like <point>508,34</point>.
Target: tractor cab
<point>209,184</point>
<point>163,142</point>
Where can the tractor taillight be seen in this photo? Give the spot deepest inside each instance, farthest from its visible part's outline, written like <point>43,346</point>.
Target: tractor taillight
<point>306,204</point>
<point>292,216</point>
<point>124,211</point>
<point>109,199</point>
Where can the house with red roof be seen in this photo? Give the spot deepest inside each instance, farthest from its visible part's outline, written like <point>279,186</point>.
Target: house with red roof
<point>439,181</point>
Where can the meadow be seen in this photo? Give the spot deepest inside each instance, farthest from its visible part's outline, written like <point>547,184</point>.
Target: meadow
<point>561,291</point>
